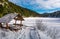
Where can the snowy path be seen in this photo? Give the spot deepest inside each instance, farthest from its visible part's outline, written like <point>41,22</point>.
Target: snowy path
<point>33,33</point>
<point>26,33</point>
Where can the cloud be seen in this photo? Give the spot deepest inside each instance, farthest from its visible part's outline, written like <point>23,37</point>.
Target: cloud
<point>49,4</point>
<point>25,3</point>
<point>39,5</point>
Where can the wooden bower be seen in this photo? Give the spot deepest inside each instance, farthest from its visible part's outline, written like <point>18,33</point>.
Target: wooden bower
<point>19,17</point>
<point>8,18</point>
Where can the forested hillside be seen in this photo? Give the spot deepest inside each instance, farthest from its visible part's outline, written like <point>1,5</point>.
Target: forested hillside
<point>52,14</point>
<point>9,7</point>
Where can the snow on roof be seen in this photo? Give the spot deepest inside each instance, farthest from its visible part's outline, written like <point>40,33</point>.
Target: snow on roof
<point>7,18</point>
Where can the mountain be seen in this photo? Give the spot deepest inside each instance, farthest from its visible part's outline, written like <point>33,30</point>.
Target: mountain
<point>53,14</point>
<point>9,7</point>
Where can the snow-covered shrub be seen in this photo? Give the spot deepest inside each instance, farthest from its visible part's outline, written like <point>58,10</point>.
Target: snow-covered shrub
<point>40,25</point>
<point>53,32</point>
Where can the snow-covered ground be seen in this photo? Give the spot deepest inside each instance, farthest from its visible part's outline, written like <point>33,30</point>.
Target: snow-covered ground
<point>35,28</point>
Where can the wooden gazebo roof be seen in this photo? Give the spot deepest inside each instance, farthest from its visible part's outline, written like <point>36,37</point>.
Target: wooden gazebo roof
<point>19,17</point>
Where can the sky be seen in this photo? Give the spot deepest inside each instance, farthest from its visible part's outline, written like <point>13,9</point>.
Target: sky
<point>40,6</point>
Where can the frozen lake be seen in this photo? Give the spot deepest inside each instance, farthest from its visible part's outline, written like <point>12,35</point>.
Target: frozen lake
<point>36,28</point>
<point>47,21</point>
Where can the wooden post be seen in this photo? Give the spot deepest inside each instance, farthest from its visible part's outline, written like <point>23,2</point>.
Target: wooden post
<point>15,22</point>
<point>21,23</point>
<point>7,27</point>
<point>0,25</point>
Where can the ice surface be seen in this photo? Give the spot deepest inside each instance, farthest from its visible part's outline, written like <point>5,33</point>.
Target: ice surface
<point>49,28</point>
